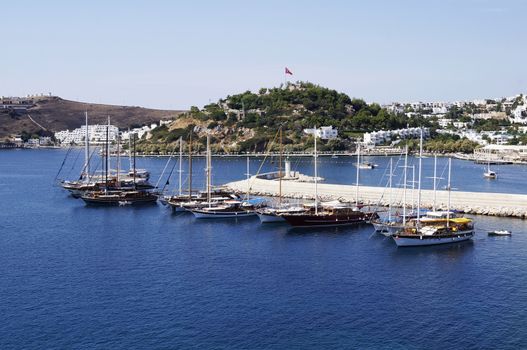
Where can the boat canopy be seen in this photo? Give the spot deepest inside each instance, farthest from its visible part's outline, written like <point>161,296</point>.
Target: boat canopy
<point>461,220</point>
<point>438,214</point>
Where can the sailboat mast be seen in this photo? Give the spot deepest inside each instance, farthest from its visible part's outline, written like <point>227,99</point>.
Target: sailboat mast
<point>190,166</point>
<point>87,150</point>
<point>248,177</point>
<point>448,187</point>
<point>280,171</point>
<point>413,188</point>
<point>419,175</point>
<point>118,158</point>
<point>109,155</point>
<point>106,159</point>
<point>404,184</point>
<point>134,170</point>
<point>130,148</point>
<point>316,171</point>
<point>358,176</point>
<point>391,191</point>
<point>435,182</point>
<point>208,171</point>
<point>180,163</point>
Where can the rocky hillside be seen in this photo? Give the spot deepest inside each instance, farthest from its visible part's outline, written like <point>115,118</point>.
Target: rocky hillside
<point>51,114</point>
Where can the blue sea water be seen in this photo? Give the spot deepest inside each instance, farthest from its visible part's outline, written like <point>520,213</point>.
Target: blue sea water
<point>81,277</point>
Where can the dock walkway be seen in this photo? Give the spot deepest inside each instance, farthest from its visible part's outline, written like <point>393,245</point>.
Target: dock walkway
<point>481,203</point>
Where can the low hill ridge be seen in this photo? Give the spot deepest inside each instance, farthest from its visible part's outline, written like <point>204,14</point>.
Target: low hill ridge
<point>50,114</point>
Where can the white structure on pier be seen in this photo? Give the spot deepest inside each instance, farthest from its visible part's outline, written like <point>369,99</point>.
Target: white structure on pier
<point>510,153</point>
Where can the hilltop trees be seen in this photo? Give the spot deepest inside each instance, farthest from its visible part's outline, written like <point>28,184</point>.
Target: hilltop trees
<point>294,107</point>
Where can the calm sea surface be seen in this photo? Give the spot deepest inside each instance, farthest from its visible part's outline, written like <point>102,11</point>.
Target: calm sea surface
<point>73,276</point>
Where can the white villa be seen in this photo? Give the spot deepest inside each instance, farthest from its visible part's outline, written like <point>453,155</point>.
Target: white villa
<point>324,132</point>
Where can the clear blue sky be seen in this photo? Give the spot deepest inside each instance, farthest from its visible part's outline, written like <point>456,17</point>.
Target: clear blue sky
<point>174,54</point>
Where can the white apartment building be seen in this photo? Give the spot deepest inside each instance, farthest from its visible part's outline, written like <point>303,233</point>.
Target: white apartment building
<point>378,137</point>
<point>324,132</point>
<point>96,134</point>
<point>500,137</point>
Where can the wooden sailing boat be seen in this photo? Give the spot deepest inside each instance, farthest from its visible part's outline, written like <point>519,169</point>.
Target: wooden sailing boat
<point>118,196</point>
<point>84,178</point>
<point>225,209</point>
<point>274,214</point>
<point>90,182</point>
<point>182,202</point>
<point>327,214</point>
<point>436,227</point>
<point>177,200</point>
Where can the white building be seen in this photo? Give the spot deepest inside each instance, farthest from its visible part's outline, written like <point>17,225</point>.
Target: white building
<point>324,132</point>
<point>460,125</point>
<point>96,134</point>
<point>519,115</point>
<point>44,141</point>
<point>382,136</point>
<point>439,110</point>
<point>140,132</point>
<point>444,122</point>
<point>470,134</point>
<point>33,142</point>
<point>500,137</point>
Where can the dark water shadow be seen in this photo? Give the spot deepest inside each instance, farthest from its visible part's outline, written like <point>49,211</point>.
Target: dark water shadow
<point>328,230</point>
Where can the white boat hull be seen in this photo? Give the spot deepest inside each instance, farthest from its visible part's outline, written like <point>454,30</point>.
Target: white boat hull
<point>430,240</point>
<point>221,215</point>
<point>269,218</point>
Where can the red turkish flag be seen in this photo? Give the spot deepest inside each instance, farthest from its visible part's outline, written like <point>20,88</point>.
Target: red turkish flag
<point>287,71</point>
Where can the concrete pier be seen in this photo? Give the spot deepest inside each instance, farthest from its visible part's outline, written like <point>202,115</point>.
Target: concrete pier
<point>481,203</point>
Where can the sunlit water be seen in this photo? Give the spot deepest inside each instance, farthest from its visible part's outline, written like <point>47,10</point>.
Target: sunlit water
<point>73,276</point>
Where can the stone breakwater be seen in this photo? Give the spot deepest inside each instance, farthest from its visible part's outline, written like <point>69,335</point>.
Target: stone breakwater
<point>480,203</point>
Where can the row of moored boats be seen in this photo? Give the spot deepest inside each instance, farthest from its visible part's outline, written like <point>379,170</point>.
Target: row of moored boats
<point>118,187</point>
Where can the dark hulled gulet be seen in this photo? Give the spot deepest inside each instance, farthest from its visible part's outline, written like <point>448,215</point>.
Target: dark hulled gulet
<point>328,214</point>
<point>119,195</point>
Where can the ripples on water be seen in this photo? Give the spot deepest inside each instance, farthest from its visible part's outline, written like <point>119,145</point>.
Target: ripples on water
<point>80,277</point>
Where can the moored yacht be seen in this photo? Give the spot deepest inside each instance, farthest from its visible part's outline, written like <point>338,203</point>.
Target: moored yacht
<point>434,232</point>
<point>490,174</point>
<point>366,165</point>
<point>221,210</point>
<point>328,215</point>
<point>227,209</point>
<point>119,197</point>
<point>274,215</point>
<point>439,227</point>
<point>334,213</point>
<point>184,202</point>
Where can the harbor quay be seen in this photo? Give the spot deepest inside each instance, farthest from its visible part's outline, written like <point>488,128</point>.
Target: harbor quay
<point>479,203</point>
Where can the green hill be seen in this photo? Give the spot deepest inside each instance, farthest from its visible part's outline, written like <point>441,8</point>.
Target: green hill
<point>248,121</point>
